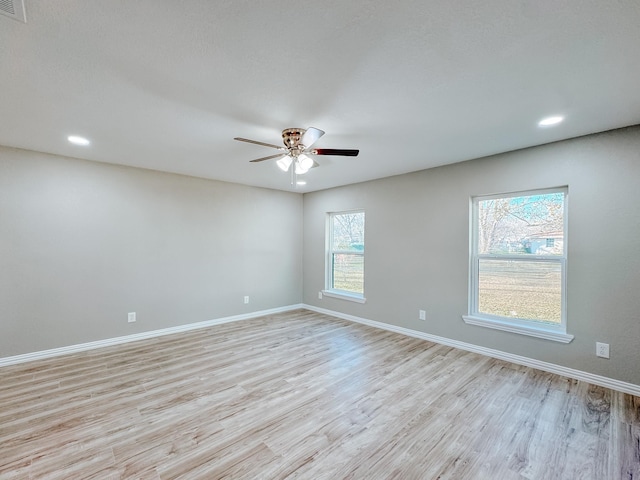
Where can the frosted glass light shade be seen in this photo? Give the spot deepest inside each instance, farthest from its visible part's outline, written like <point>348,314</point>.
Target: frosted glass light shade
<point>284,163</point>
<point>303,164</point>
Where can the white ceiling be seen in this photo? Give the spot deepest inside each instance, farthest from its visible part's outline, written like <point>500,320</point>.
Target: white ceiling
<point>166,85</point>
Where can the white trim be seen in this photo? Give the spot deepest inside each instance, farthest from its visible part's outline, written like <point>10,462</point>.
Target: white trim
<point>352,297</point>
<point>54,352</point>
<point>532,331</point>
<point>606,382</point>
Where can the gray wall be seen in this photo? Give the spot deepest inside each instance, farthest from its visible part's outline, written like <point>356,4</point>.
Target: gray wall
<point>83,243</point>
<point>417,247</point>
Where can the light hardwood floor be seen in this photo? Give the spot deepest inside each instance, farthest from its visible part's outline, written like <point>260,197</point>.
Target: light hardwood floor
<point>304,395</point>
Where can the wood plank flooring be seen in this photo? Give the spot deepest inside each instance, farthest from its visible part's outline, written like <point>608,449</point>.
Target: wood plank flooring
<point>304,395</point>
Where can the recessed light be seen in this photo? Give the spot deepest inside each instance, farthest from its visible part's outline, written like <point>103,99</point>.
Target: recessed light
<point>301,182</point>
<point>76,140</point>
<point>549,121</point>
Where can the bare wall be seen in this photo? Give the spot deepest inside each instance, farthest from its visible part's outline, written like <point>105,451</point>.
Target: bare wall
<point>417,247</point>
<point>83,243</point>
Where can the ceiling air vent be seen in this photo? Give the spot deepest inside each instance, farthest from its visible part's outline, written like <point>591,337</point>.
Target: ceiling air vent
<point>13,9</point>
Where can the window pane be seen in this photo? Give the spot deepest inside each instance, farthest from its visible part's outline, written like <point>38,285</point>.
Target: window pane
<point>520,289</point>
<point>532,224</point>
<point>348,232</point>
<point>348,272</point>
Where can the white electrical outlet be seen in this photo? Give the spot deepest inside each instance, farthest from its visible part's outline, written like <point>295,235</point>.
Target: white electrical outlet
<point>422,314</point>
<point>131,317</point>
<point>602,350</point>
<point>246,299</point>
<point>319,295</point>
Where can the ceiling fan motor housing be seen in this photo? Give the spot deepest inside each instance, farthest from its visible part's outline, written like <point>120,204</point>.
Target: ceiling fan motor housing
<point>291,138</point>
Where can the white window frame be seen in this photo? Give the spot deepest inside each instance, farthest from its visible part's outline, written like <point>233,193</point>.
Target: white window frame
<point>329,291</point>
<point>540,329</point>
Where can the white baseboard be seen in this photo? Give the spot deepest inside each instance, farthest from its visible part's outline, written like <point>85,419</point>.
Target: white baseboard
<point>54,352</point>
<point>611,383</point>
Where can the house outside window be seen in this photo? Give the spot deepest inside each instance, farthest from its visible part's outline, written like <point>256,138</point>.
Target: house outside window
<point>518,263</point>
<point>345,256</point>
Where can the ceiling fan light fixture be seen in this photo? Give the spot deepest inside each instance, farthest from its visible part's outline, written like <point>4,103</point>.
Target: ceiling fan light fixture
<point>303,164</point>
<point>300,170</point>
<point>305,161</point>
<point>284,163</point>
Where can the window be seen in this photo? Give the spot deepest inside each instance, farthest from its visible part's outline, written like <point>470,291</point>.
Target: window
<point>345,256</point>
<point>518,263</point>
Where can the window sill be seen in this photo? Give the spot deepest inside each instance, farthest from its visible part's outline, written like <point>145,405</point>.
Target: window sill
<point>532,331</point>
<point>351,297</point>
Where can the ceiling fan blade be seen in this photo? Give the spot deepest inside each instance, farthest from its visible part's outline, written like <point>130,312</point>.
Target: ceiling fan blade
<point>311,136</point>
<point>335,151</point>
<point>259,143</point>
<point>268,158</point>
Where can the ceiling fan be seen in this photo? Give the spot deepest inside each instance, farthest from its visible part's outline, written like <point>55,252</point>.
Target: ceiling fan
<point>297,148</point>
